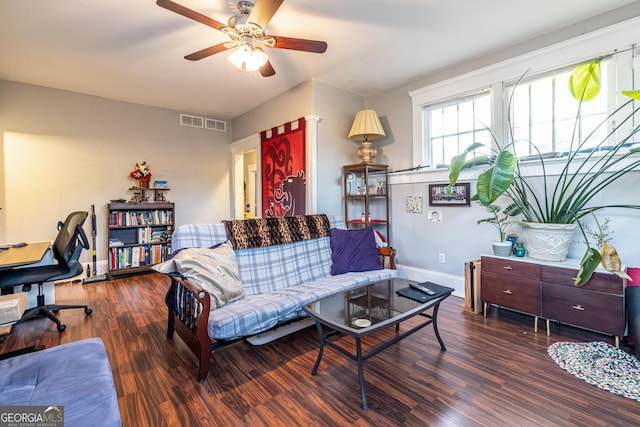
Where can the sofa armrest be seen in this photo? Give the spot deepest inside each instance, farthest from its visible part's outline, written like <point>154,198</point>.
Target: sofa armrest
<point>387,256</point>
<point>190,305</point>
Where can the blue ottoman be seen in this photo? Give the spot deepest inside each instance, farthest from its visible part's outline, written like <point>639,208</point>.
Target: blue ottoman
<point>75,375</point>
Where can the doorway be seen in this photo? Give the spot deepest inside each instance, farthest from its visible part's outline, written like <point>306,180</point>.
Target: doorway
<point>250,194</point>
<point>246,197</point>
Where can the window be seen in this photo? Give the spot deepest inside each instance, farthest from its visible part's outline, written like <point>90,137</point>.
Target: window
<point>452,126</point>
<point>543,114</point>
<point>451,114</point>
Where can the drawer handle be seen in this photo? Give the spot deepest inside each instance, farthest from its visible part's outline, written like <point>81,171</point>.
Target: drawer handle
<point>508,292</point>
<point>578,307</point>
<point>508,267</point>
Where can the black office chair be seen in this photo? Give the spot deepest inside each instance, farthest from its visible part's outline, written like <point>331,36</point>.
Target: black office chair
<point>67,247</point>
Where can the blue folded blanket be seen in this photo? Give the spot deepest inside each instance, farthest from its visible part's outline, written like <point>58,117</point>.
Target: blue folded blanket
<point>76,376</point>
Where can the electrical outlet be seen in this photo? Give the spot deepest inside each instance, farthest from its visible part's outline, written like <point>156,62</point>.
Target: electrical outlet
<point>441,257</point>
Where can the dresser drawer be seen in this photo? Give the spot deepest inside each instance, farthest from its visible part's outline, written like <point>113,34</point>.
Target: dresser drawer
<point>601,282</point>
<point>598,311</point>
<point>511,268</point>
<point>512,292</point>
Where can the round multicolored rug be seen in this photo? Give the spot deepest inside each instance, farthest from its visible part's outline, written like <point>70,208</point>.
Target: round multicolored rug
<point>600,364</point>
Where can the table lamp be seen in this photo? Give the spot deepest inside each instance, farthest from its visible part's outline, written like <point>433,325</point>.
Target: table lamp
<point>366,128</point>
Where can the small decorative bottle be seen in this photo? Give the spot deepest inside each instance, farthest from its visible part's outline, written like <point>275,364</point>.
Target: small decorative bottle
<point>519,249</point>
<point>363,217</point>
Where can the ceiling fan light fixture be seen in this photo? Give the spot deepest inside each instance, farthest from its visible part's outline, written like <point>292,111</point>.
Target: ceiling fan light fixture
<point>246,35</point>
<point>249,57</point>
<point>257,59</point>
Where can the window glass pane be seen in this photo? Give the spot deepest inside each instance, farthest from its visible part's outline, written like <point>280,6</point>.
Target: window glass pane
<point>450,149</point>
<point>437,147</point>
<point>465,111</point>
<point>465,140</point>
<point>520,106</point>
<point>544,112</point>
<point>540,110</point>
<point>564,130</point>
<point>482,111</point>
<point>435,121</point>
<point>450,120</point>
<point>483,136</point>
<point>566,106</point>
<point>455,125</point>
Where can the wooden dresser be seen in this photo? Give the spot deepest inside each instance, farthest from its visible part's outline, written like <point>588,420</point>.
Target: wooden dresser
<point>545,289</point>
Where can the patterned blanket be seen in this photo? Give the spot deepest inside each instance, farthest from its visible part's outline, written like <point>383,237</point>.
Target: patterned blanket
<point>261,232</point>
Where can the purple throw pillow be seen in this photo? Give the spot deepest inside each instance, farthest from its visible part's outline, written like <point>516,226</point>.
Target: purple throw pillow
<point>354,250</point>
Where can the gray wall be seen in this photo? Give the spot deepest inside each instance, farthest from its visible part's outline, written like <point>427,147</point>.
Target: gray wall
<point>284,108</point>
<point>337,110</point>
<point>62,151</point>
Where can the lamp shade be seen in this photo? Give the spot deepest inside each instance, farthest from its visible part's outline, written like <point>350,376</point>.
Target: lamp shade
<point>366,127</point>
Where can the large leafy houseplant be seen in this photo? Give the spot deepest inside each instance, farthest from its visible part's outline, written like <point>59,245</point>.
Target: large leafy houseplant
<point>565,198</point>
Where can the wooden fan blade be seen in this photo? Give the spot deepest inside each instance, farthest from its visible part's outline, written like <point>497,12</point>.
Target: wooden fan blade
<point>191,14</point>
<point>314,46</point>
<point>267,70</point>
<point>212,50</point>
<point>263,11</point>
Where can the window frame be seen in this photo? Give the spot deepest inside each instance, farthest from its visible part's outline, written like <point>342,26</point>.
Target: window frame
<point>580,49</point>
<point>456,101</point>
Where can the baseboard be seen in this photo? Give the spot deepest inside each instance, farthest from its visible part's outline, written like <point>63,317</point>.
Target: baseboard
<point>101,266</point>
<point>422,275</point>
<point>281,331</point>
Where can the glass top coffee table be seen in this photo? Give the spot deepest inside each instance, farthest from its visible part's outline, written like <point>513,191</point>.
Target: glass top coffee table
<point>372,308</point>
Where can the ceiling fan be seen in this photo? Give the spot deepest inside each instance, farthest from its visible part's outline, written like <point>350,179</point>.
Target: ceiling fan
<point>246,31</point>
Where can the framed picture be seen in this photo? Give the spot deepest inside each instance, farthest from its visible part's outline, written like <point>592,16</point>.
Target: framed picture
<point>413,204</point>
<point>459,195</point>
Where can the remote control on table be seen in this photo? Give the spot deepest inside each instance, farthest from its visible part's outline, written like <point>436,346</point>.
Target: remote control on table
<point>422,288</point>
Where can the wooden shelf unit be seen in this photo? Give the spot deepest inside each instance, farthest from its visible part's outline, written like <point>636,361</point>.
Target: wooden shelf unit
<point>139,236</point>
<point>366,205</point>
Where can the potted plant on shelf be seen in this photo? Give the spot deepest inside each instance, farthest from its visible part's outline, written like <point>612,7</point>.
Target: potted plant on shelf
<point>501,218</point>
<point>561,200</point>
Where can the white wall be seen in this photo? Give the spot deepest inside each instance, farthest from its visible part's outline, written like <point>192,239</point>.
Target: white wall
<point>62,151</point>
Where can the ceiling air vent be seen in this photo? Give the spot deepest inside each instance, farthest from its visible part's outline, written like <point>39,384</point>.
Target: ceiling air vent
<point>203,122</point>
<point>218,125</point>
<point>192,121</point>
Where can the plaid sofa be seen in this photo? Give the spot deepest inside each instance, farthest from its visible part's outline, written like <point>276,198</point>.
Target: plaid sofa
<point>277,280</point>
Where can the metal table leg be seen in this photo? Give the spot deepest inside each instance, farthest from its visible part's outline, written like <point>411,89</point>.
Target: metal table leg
<point>321,333</point>
<point>434,318</point>
<point>360,361</point>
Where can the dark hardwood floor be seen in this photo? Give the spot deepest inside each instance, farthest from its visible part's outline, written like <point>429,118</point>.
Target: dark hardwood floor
<point>495,372</point>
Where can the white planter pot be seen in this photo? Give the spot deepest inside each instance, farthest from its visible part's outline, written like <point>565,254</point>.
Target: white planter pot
<point>548,242</point>
<point>502,248</point>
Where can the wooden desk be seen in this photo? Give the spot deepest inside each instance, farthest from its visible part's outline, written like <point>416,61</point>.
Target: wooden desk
<point>30,254</point>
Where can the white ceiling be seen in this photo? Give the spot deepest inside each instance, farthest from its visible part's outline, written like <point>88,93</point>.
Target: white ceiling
<point>133,50</point>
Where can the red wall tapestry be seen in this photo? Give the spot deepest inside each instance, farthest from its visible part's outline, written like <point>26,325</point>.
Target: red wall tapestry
<point>283,171</point>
